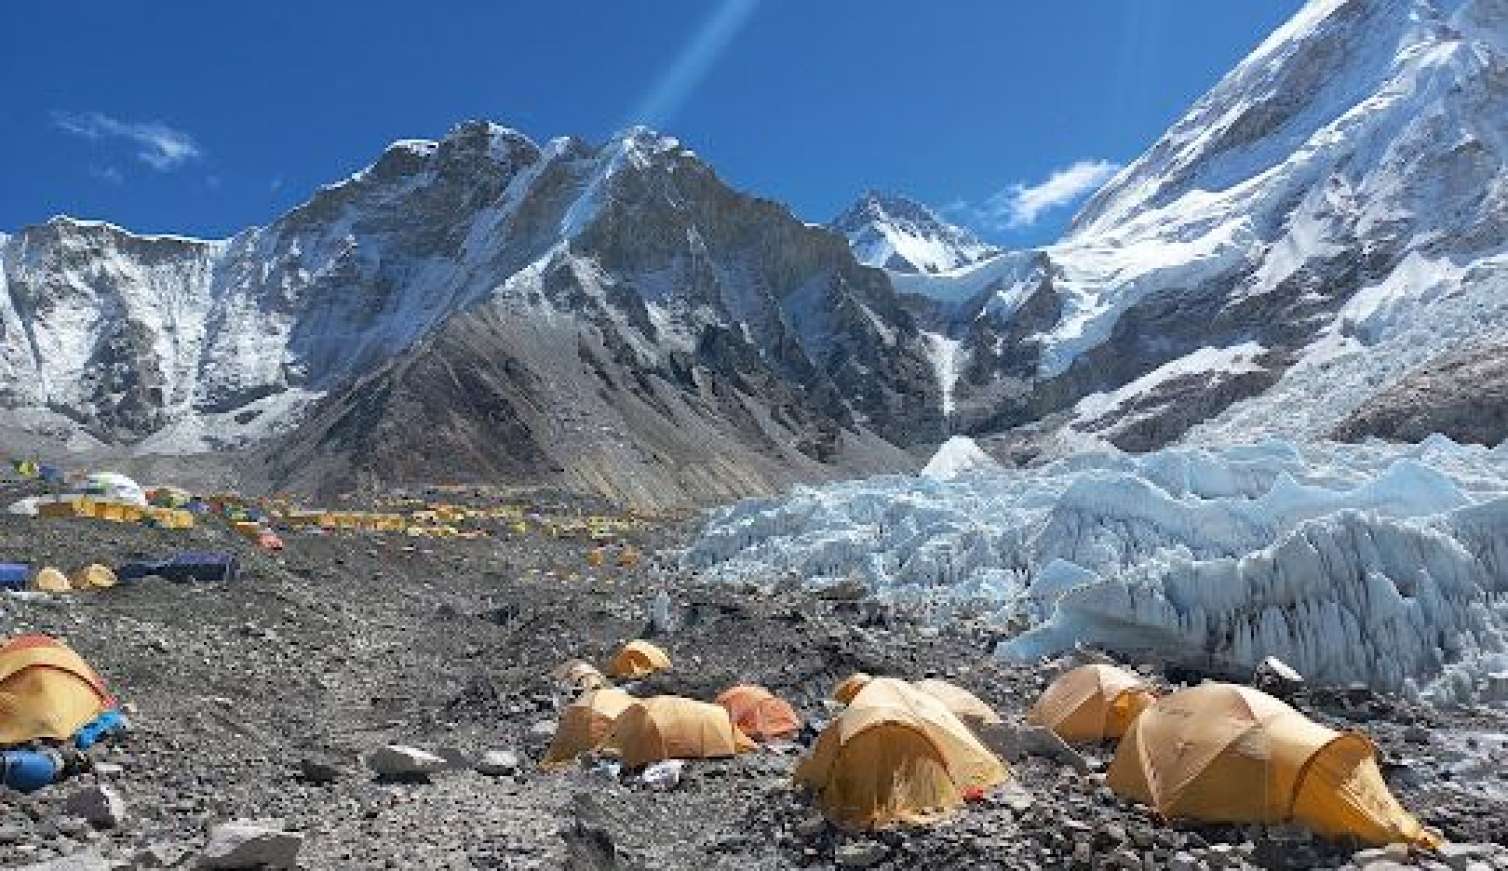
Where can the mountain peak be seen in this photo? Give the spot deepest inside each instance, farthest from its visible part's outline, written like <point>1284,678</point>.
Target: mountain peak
<point>899,233</point>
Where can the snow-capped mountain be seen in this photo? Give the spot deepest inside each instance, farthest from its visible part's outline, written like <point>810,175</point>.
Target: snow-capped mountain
<point>1331,215</point>
<point>902,235</point>
<point>629,324</point>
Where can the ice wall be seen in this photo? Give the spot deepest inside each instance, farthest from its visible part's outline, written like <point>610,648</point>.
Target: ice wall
<point>1377,563</point>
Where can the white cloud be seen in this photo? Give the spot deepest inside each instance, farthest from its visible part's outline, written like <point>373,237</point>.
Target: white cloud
<point>159,146</point>
<point>1021,204</point>
<point>107,173</point>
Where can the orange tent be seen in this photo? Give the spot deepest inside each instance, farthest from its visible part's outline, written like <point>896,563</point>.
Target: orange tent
<point>849,686</point>
<point>1091,703</point>
<point>896,755</point>
<point>46,691</point>
<point>1226,753</point>
<point>670,727</point>
<point>637,659</point>
<point>93,576</point>
<point>963,704</point>
<point>758,713</point>
<point>585,724</point>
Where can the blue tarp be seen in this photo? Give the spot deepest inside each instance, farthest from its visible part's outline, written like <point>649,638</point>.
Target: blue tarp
<point>13,576</point>
<point>50,474</point>
<point>186,566</point>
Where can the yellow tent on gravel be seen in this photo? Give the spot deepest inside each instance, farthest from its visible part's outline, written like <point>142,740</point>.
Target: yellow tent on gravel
<point>50,580</point>
<point>1091,703</point>
<point>637,659</point>
<point>896,755</point>
<point>46,691</point>
<point>581,674</point>
<point>93,577</point>
<point>671,727</point>
<point>585,724</point>
<point>966,706</point>
<point>1227,753</point>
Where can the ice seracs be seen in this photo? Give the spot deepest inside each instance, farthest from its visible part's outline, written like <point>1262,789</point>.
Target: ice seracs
<point>1376,563</point>
<point>959,455</point>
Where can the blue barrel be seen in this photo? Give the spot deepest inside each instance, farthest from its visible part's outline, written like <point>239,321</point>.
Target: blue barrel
<point>29,770</point>
<point>13,576</point>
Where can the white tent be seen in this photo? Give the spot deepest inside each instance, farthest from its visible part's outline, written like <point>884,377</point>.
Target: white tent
<point>115,486</point>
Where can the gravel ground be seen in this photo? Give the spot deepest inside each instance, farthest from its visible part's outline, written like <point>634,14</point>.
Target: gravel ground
<point>343,644</point>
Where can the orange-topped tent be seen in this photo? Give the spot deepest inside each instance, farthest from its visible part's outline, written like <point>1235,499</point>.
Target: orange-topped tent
<point>896,755</point>
<point>637,659</point>
<point>585,724</point>
<point>964,705</point>
<point>46,691</point>
<point>1227,753</point>
<point>1091,703</point>
<point>849,686</point>
<point>671,727</point>
<point>758,713</point>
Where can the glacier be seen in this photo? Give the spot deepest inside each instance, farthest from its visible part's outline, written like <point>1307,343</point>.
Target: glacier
<point>1378,563</point>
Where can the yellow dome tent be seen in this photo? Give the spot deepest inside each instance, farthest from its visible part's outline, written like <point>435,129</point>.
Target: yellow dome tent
<point>849,686</point>
<point>1226,753</point>
<point>637,659</point>
<point>670,727</point>
<point>1091,703</point>
<point>93,577</point>
<point>963,704</point>
<point>50,580</point>
<point>46,691</point>
<point>896,755</point>
<point>585,724</point>
<point>582,675</point>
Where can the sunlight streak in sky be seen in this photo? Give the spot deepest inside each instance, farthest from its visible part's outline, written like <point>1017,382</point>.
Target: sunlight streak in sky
<point>676,84</point>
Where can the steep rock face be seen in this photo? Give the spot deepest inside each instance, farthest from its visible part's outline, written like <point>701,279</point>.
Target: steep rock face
<point>902,235</point>
<point>1345,184</point>
<point>1463,396</point>
<point>351,311</point>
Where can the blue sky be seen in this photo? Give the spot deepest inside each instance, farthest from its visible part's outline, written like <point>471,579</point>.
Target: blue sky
<point>203,118</point>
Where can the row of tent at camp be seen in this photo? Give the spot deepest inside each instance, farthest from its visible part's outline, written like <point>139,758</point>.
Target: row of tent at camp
<point>185,566</point>
<point>904,752</point>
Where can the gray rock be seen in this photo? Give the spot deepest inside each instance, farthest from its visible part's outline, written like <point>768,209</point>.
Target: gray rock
<point>101,806</point>
<point>496,763</point>
<point>249,844</point>
<point>860,854</point>
<point>542,731</point>
<point>1016,741</point>
<point>1461,856</point>
<point>159,856</point>
<point>320,770</point>
<point>1183,860</point>
<point>401,761</point>
<point>88,860</point>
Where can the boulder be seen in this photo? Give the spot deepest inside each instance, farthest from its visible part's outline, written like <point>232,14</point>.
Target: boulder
<point>101,806</point>
<point>403,762</point>
<point>88,860</point>
<point>497,763</point>
<point>860,854</point>
<point>251,844</point>
<point>1276,676</point>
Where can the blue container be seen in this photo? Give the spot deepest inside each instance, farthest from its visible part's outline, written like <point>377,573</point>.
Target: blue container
<point>111,722</point>
<point>13,576</point>
<point>29,770</point>
<point>189,565</point>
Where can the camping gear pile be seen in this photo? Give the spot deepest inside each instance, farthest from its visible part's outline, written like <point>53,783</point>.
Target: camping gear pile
<point>52,706</point>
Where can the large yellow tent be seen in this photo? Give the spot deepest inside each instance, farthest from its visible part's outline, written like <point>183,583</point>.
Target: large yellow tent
<point>637,659</point>
<point>585,724</point>
<point>759,713</point>
<point>896,755</point>
<point>1227,753</point>
<point>1091,703</point>
<point>671,727</point>
<point>46,691</point>
<point>966,706</point>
